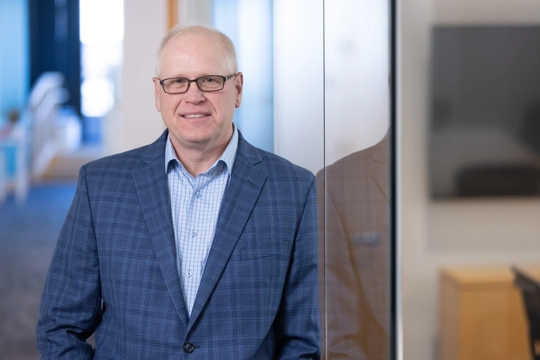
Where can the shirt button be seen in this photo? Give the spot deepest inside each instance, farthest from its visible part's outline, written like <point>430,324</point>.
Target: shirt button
<point>198,194</point>
<point>189,273</point>
<point>193,233</point>
<point>189,348</point>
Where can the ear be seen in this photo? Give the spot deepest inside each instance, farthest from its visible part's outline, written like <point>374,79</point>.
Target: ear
<point>239,84</point>
<point>157,92</point>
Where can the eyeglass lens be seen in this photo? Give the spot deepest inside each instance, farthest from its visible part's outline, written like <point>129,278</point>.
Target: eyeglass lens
<point>206,83</point>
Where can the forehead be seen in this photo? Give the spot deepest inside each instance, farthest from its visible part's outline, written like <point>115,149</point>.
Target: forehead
<point>194,54</point>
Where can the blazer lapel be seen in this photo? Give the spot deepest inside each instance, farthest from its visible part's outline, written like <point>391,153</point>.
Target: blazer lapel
<point>151,184</point>
<point>238,201</point>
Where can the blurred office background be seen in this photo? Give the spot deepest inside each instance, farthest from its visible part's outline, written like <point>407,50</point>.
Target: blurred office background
<point>316,91</point>
<point>474,237</point>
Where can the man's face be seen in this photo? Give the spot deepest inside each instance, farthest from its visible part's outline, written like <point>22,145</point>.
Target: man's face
<point>197,120</point>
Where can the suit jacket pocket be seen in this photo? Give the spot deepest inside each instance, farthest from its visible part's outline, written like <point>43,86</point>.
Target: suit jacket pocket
<point>263,250</point>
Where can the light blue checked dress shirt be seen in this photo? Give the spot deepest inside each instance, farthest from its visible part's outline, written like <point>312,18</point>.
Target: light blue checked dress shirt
<point>195,203</point>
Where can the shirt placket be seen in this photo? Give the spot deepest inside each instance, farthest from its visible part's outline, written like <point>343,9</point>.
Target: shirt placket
<point>194,244</point>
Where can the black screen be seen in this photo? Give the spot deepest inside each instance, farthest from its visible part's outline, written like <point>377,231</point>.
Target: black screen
<point>484,137</point>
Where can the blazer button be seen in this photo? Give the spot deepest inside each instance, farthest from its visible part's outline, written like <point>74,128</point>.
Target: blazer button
<point>189,348</point>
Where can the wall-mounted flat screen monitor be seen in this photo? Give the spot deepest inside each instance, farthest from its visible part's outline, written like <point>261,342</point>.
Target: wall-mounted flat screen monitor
<point>484,137</point>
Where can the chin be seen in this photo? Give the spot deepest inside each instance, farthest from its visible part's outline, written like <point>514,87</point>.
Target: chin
<point>198,139</point>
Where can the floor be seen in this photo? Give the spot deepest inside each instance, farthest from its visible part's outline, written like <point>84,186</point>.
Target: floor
<point>28,235</point>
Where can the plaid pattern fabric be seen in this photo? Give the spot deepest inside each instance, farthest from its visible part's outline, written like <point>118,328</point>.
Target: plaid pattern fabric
<point>114,271</point>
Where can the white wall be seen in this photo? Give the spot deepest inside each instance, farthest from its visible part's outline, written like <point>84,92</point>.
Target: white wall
<point>298,82</point>
<point>135,121</point>
<point>435,234</point>
<point>194,12</point>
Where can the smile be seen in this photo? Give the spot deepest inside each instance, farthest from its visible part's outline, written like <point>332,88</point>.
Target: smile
<point>194,116</point>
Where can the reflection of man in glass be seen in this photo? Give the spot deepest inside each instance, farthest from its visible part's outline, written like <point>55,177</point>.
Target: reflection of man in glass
<point>355,280</point>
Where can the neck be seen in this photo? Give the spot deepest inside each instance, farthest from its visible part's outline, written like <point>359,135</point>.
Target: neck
<point>198,160</point>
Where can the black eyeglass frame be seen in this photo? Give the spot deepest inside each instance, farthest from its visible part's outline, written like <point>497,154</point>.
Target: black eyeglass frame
<point>196,81</point>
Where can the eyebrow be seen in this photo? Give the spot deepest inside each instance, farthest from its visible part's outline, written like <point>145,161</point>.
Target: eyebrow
<point>185,77</point>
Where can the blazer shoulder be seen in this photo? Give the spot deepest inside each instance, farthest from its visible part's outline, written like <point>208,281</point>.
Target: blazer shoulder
<point>358,164</point>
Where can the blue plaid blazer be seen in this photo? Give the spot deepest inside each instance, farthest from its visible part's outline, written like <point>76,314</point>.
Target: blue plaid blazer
<point>114,271</point>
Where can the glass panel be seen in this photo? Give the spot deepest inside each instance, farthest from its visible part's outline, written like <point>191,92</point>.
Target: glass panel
<point>332,116</point>
<point>354,186</point>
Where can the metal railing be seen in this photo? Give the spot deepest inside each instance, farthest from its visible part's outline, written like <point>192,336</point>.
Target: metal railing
<point>44,102</point>
<point>30,143</point>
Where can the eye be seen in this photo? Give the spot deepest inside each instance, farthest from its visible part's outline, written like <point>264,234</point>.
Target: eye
<point>178,81</point>
<point>209,80</point>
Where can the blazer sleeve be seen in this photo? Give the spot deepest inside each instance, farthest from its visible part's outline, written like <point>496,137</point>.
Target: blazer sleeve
<point>70,306</point>
<point>297,322</point>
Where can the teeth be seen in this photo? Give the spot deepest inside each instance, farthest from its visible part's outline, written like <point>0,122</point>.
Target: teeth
<point>193,116</point>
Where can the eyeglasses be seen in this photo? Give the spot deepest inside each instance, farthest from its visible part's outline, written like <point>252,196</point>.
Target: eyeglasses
<point>208,83</point>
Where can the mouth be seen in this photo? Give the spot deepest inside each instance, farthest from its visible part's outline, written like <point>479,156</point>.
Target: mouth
<point>194,115</point>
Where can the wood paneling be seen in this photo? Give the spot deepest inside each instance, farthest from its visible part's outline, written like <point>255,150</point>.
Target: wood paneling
<point>172,13</point>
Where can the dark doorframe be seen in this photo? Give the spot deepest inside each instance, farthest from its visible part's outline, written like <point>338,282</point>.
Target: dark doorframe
<point>55,43</point>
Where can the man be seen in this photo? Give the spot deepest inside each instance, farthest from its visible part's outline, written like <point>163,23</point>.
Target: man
<point>355,255</point>
<point>198,246</point>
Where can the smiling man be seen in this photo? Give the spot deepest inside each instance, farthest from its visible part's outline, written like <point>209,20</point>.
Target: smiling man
<point>198,112</point>
<point>198,246</point>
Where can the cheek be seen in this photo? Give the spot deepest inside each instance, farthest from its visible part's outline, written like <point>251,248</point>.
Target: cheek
<point>168,113</point>
<point>227,111</point>
<point>229,104</point>
<point>169,106</point>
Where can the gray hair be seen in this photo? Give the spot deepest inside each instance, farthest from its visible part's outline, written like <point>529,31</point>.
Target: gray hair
<point>228,45</point>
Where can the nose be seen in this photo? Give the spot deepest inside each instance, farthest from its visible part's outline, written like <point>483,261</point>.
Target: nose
<point>193,94</point>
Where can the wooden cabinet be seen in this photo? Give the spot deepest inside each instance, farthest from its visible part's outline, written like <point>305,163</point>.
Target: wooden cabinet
<point>482,316</point>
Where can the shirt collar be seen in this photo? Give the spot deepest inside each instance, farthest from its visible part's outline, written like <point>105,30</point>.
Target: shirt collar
<point>228,156</point>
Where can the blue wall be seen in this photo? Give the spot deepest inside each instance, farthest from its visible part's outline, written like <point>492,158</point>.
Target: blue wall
<point>14,54</point>
<point>14,70</point>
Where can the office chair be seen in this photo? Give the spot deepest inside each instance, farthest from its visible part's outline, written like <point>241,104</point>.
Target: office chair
<point>530,290</point>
